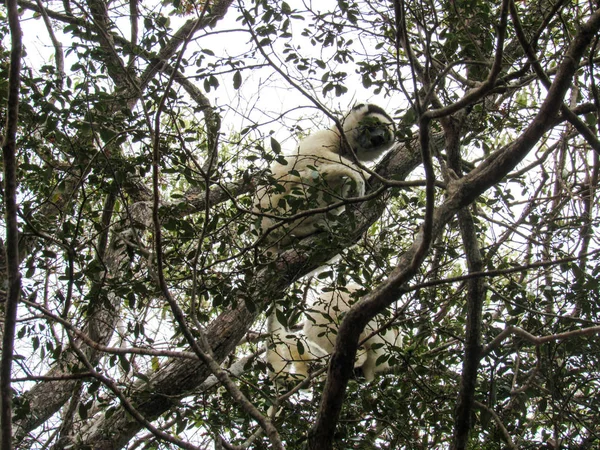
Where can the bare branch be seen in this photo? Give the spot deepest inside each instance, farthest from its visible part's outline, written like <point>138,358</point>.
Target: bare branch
<point>58,50</point>
<point>103,348</point>
<point>579,125</point>
<point>475,300</point>
<point>9,153</point>
<point>537,340</point>
<point>134,14</point>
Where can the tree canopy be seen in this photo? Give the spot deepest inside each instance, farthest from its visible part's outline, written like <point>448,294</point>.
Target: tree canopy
<point>136,280</point>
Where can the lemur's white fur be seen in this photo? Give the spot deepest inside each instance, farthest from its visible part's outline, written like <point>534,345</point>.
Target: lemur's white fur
<point>323,321</point>
<point>290,352</point>
<point>318,336</point>
<point>321,172</point>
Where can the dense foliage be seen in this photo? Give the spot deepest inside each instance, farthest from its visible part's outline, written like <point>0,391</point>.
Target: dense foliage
<point>144,129</point>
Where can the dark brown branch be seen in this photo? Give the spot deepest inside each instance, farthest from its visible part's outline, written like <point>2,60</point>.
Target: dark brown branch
<point>68,417</point>
<point>110,384</point>
<point>342,360</point>
<point>478,93</point>
<point>537,340</point>
<point>497,272</point>
<point>9,153</point>
<point>475,298</point>
<point>573,119</point>
<point>460,194</point>
<point>475,286</point>
<point>505,159</point>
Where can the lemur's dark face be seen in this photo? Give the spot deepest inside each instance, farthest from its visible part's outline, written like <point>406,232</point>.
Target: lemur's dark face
<point>369,132</point>
<point>373,135</point>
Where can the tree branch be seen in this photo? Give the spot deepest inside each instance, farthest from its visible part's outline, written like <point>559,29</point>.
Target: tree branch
<point>58,50</point>
<point>9,153</point>
<point>45,399</point>
<point>176,378</point>
<point>573,119</point>
<point>475,299</point>
<point>199,345</point>
<point>509,442</point>
<point>127,405</point>
<point>460,194</point>
<point>536,340</point>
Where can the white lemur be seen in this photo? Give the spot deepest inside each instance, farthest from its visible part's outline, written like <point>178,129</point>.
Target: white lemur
<point>317,338</point>
<point>321,171</point>
<point>289,353</point>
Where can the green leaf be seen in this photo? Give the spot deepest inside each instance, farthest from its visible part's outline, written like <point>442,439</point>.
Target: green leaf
<point>275,146</point>
<point>237,80</point>
<point>124,363</point>
<point>281,317</point>
<point>83,410</point>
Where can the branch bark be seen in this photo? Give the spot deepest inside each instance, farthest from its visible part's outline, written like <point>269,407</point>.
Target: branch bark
<point>460,194</point>
<point>9,153</point>
<point>475,298</point>
<point>177,378</point>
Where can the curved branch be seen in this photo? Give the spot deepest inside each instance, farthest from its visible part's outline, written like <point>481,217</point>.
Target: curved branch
<point>537,340</point>
<point>509,442</point>
<point>489,84</point>
<point>460,194</point>
<point>176,377</point>
<point>573,119</point>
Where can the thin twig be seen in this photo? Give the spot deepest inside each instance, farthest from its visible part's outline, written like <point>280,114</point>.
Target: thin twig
<point>110,384</point>
<point>537,340</point>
